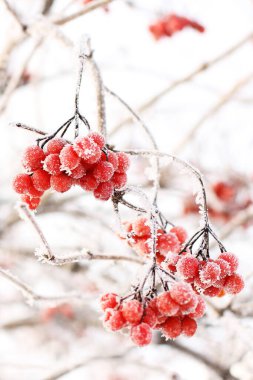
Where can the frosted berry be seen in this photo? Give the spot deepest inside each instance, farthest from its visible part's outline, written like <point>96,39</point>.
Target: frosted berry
<point>168,242</point>
<point>171,261</point>
<point>54,146</point>
<point>132,311</point>
<point>52,164</point>
<point>119,180</point>
<point>224,267</point>
<point>189,326</point>
<point>190,306</point>
<point>172,327</point>
<point>166,305</point>
<point>187,267</point>
<point>33,157</point>
<point>210,273</point>
<point>78,172</point>
<point>34,192</point>
<point>112,158</point>
<point>181,292</point>
<point>149,317</point>
<point>104,191</point>
<point>88,182</point>
<point>68,157</point>
<point>141,227</point>
<point>103,171</point>
<point>123,162</point>
<point>41,180</point>
<point>87,149</point>
<point>211,291</point>
<point>114,320</point>
<point>108,301</point>
<point>97,138</point>
<point>231,259</point>
<point>180,233</point>
<point>234,284</point>
<point>61,183</point>
<point>22,183</point>
<point>224,191</point>
<point>32,202</point>
<point>141,334</point>
<point>200,309</point>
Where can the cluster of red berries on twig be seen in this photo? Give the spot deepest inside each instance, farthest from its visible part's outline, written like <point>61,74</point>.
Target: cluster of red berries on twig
<point>172,23</point>
<point>87,162</point>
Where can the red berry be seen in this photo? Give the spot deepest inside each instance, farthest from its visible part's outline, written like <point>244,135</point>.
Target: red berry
<point>22,183</point>
<point>141,334</point>
<point>78,172</point>
<point>190,306</point>
<point>112,158</point>
<point>119,180</point>
<point>32,202</point>
<point>41,180</point>
<point>87,149</point>
<point>97,138</point>
<point>142,246</point>
<point>52,164</point>
<point>200,309</point>
<point>34,192</point>
<point>114,320</point>
<point>180,233</point>
<point>61,182</point>
<point>234,284</point>
<point>224,191</point>
<point>172,327</point>
<point>171,262</point>
<point>68,157</point>
<point>108,301</point>
<point>181,292</point>
<point>88,182</point>
<point>187,266</point>
<point>103,171</point>
<point>231,259</point>
<point>132,311</point>
<point>123,162</point>
<point>211,291</point>
<point>168,242</point>
<point>189,326</point>
<point>104,191</point>
<point>166,305</point>
<point>141,227</point>
<point>33,157</point>
<point>149,317</point>
<point>55,145</point>
<point>224,267</point>
<point>210,273</point>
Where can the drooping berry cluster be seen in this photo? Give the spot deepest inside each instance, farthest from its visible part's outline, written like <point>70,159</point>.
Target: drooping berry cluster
<point>138,236</point>
<point>173,312</point>
<point>169,25</point>
<point>87,163</point>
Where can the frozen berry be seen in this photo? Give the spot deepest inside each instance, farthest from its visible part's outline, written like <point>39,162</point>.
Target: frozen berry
<point>52,164</point>
<point>33,157</point>
<point>55,145</point>
<point>172,327</point>
<point>168,242</point>
<point>108,301</point>
<point>32,202</point>
<point>141,334</point>
<point>123,162</point>
<point>211,291</point>
<point>224,267</point>
<point>166,305</point>
<point>41,180</point>
<point>103,171</point>
<point>68,157</point>
<point>231,259</point>
<point>104,191</point>
<point>181,292</point>
<point>132,311</point>
<point>200,309</point>
<point>234,284</point>
<point>87,149</point>
<point>189,326</point>
<point>114,320</point>
<point>171,261</point>
<point>190,306</point>
<point>119,180</point>
<point>88,182</point>
<point>61,183</point>
<point>22,183</point>
<point>180,233</point>
<point>78,172</point>
<point>97,138</point>
<point>187,266</point>
<point>149,317</point>
<point>141,227</point>
<point>112,158</point>
<point>210,273</point>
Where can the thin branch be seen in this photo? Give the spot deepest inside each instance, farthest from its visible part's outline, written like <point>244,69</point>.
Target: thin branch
<point>202,68</point>
<point>47,6</point>
<point>14,15</point>
<point>28,128</point>
<point>212,111</point>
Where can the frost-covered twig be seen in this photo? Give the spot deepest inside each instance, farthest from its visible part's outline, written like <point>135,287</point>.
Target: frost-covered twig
<point>28,128</point>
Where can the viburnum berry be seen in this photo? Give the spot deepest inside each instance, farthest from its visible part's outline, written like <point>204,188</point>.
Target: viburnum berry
<point>231,259</point>
<point>141,334</point>
<point>142,246</point>
<point>198,284</point>
<point>33,158</point>
<point>189,326</point>
<point>87,149</point>
<point>171,261</point>
<point>181,292</point>
<point>97,138</point>
<point>41,180</point>
<point>190,306</point>
<point>168,242</point>
<point>123,162</point>
<point>187,267</point>
<point>78,172</point>
<point>34,192</point>
<point>104,191</point>
<point>119,180</point>
<point>55,145</point>
<point>22,183</point>
<point>32,202</point>
<point>224,191</point>
<point>132,311</point>
<point>103,171</point>
<point>61,183</point>
<point>149,317</point>
<point>108,301</point>
<point>200,309</point>
<point>112,158</point>
<point>141,227</point>
<point>88,182</point>
<point>52,164</point>
<point>172,327</point>
<point>234,284</point>
<point>166,305</point>
<point>211,291</point>
<point>210,273</point>
<point>180,233</point>
<point>224,267</point>
<point>114,320</point>
<point>68,157</point>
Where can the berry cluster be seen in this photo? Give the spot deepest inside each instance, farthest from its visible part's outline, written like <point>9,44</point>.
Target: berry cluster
<point>169,25</point>
<point>138,236</point>
<point>173,312</point>
<point>210,277</point>
<point>87,163</point>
